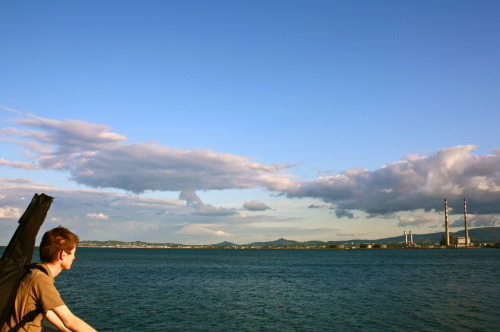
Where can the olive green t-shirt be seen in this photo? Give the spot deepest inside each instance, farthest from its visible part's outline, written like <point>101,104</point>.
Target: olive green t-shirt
<point>36,292</point>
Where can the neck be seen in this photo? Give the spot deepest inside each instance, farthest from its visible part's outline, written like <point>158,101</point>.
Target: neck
<point>55,268</point>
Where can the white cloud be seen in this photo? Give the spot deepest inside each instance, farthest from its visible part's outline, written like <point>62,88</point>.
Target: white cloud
<point>10,109</point>
<point>483,221</point>
<point>8,212</point>
<point>203,229</point>
<point>71,207</point>
<point>477,221</point>
<point>18,164</point>
<point>418,221</point>
<point>97,216</point>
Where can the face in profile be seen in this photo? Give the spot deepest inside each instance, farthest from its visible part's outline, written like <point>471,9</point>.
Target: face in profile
<point>67,259</point>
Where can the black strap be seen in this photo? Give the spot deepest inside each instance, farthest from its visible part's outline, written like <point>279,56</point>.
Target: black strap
<point>30,316</point>
<point>37,267</point>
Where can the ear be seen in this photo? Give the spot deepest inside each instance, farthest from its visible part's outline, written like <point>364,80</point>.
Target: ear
<point>62,255</point>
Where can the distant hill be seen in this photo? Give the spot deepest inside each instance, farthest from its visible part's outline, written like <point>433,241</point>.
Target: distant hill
<point>224,244</point>
<point>484,234</point>
<point>477,235</point>
<point>118,244</point>
<point>281,242</point>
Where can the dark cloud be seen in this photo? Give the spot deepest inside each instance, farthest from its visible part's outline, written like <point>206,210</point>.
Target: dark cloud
<point>255,206</point>
<point>314,206</point>
<point>418,182</point>
<point>341,213</point>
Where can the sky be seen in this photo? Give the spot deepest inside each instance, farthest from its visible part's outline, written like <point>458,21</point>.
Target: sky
<point>199,122</point>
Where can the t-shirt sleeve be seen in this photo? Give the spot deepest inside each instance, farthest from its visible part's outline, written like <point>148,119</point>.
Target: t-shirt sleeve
<point>47,294</point>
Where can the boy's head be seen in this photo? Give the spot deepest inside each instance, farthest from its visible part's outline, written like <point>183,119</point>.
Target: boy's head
<point>57,240</point>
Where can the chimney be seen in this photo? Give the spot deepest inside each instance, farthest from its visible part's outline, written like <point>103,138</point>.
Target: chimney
<point>447,229</point>
<point>411,238</point>
<point>406,238</point>
<point>465,222</point>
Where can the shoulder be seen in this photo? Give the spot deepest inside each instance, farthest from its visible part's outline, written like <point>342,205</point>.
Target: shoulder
<point>40,270</point>
<point>42,288</point>
<point>37,280</point>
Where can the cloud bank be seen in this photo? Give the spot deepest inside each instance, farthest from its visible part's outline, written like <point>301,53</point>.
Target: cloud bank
<point>418,182</point>
<point>95,156</point>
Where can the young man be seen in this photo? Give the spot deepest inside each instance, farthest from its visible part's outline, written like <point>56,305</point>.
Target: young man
<point>37,296</point>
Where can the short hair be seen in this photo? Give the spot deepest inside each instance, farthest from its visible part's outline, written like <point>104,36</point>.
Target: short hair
<point>55,240</point>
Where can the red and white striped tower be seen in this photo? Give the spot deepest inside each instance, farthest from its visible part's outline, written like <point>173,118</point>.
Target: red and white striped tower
<point>465,221</point>
<point>446,227</point>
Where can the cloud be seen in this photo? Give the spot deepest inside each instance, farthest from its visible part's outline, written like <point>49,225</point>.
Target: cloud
<point>483,221</point>
<point>97,216</point>
<point>9,109</point>
<point>8,212</point>
<point>97,157</point>
<point>340,213</point>
<point>19,164</point>
<point>255,206</point>
<point>71,207</point>
<point>477,221</point>
<point>203,229</point>
<point>418,182</point>
<point>352,235</point>
<point>419,221</point>
<point>200,208</point>
<point>315,206</point>
<point>93,155</point>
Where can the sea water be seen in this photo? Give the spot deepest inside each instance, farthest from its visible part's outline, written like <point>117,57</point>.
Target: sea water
<point>284,290</point>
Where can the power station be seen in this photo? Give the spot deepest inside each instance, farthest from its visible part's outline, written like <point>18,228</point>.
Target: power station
<point>447,240</point>
<point>409,243</point>
<point>455,241</point>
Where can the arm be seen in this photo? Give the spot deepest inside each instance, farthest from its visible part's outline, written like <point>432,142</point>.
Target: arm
<point>54,319</point>
<point>72,322</point>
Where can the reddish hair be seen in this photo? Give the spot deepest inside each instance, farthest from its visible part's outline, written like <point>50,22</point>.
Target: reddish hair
<point>56,240</point>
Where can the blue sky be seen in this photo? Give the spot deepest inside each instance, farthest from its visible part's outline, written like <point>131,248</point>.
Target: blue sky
<point>209,121</point>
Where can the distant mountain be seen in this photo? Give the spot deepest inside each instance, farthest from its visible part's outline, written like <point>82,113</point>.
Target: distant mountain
<point>484,234</point>
<point>477,235</point>
<point>280,242</point>
<point>117,244</point>
<point>225,243</point>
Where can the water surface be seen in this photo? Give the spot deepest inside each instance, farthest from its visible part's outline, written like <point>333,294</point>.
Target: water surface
<point>284,290</point>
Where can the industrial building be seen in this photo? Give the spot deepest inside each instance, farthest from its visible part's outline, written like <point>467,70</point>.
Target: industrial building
<point>455,241</point>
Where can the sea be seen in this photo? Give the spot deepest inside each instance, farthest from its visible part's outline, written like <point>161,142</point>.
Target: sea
<point>284,290</point>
